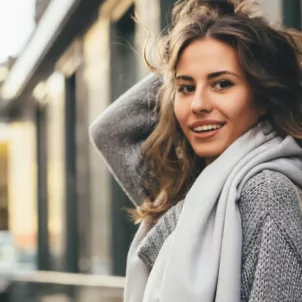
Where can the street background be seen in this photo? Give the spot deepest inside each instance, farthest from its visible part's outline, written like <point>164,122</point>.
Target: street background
<point>64,234</point>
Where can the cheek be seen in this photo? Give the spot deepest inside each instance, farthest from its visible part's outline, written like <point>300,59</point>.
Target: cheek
<point>239,107</point>
<point>181,113</point>
<point>242,118</point>
<point>246,112</point>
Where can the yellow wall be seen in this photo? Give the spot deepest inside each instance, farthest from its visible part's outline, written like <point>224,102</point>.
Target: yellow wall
<point>22,193</point>
<point>3,185</point>
<point>56,162</point>
<point>96,45</point>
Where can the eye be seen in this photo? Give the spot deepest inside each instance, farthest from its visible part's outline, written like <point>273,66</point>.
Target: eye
<point>186,89</point>
<point>223,84</point>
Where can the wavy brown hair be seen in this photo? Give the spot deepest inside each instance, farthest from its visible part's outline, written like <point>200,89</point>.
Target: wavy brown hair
<point>270,58</point>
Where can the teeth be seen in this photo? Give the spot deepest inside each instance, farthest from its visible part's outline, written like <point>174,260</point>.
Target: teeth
<point>207,127</point>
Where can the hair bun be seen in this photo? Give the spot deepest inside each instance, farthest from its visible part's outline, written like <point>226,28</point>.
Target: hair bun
<point>250,8</point>
<point>223,7</point>
<point>188,8</point>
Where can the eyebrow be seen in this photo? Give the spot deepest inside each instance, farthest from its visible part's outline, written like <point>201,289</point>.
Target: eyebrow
<point>210,76</point>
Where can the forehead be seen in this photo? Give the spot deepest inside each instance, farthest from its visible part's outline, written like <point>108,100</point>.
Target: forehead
<point>205,56</point>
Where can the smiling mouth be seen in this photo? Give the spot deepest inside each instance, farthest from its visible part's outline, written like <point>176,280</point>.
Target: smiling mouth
<point>207,128</point>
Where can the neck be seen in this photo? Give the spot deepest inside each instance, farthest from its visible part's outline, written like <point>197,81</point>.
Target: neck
<point>209,160</point>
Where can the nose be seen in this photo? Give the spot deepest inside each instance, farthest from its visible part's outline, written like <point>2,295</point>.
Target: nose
<point>201,101</point>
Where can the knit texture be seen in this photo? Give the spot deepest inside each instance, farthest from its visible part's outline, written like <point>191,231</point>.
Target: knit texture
<point>152,243</point>
<point>121,129</point>
<point>269,203</point>
<point>272,239</point>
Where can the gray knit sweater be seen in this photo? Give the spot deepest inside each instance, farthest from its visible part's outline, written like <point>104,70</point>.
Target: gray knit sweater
<point>269,203</point>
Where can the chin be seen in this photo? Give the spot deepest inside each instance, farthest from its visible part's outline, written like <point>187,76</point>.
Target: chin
<point>208,152</point>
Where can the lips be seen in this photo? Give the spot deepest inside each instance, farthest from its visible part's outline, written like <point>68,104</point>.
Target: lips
<point>207,128</point>
<point>206,125</point>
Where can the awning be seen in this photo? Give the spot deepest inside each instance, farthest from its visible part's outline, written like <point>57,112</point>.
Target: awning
<point>61,22</point>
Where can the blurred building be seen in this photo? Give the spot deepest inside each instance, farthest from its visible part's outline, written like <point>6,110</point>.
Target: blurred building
<point>65,210</point>
<point>41,6</point>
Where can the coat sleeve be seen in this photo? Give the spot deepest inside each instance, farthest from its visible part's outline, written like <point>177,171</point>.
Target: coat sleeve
<point>121,129</point>
<point>272,233</point>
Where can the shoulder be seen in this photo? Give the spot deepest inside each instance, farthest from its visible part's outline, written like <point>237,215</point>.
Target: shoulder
<point>272,237</point>
<point>270,195</point>
<point>271,192</point>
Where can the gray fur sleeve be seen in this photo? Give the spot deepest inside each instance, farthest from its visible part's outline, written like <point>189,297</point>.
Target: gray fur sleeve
<point>121,129</point>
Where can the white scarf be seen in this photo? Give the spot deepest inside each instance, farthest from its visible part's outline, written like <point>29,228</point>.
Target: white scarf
<point>201,259</point>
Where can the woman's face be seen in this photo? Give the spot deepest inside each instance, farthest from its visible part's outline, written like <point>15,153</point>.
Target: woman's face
<point>214,103</point>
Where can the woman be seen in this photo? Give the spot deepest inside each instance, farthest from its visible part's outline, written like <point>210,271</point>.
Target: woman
<point>217,179</point>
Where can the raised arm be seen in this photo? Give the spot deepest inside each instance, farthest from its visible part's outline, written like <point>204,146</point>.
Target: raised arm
<point>121,129</point>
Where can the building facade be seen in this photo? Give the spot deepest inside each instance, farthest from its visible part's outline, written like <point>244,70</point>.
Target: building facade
<point>67,211</point>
